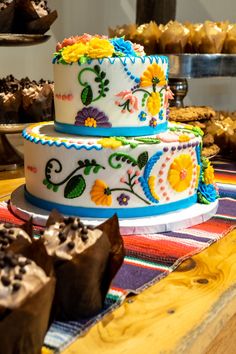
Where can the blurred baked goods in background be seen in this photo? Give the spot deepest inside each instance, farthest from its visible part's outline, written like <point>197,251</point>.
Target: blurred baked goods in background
<point>175,38</point>
<point>219,128</point>
<point>26,16</point>
<point>23,101</point>
<point>37,100</point>
<point>223,130</point>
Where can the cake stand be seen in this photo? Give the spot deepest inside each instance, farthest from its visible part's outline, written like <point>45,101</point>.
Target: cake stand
<point>189,66</point>
<point>9,158</point>
<point>180,219</point>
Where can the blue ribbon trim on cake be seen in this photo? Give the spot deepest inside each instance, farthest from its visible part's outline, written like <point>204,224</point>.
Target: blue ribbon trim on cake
<point>113,131</point>
<point>108,212</point>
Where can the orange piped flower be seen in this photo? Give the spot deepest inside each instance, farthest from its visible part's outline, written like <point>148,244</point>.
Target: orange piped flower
<point>154,103</point>
<point>100,193</point>
<point>180,172</point>
<point>153,75</point>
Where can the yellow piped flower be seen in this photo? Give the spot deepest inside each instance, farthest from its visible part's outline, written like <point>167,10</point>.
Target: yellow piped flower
<point>153,75</point>
<point>100,193</point>
<point>209,177</point>
<point>111,143</point>
<point>100,48</point>
<point>73,53</point>
<point>183,138</point>
<point>154,103</point>
<point>151,184</point>
<point>180,173</point>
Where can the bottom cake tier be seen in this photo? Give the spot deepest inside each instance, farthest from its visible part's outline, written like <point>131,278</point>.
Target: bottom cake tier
<point>133,177</point>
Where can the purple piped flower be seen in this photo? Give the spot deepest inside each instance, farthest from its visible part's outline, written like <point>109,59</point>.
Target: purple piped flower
<point>153,122</point>
<point>92,117</point>
<point>123,199</point>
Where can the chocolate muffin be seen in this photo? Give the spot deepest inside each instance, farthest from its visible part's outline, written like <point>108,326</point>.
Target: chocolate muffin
<point>37,100</point>
<point>33,17</point>
<point>26,294</point>
<point>10,100</point>
<point>7,11</point>
<point>10,233</point>
<point>85,261</point>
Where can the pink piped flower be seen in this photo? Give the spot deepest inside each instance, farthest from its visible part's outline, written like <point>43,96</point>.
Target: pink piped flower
<point>122,180</point>
<point>137,173</point>
<point>168,96</point>
<point>130,171</point>
<point>139,49</point>
<point>72,40</point>
<point>136,181</point>
<point>127,101</point>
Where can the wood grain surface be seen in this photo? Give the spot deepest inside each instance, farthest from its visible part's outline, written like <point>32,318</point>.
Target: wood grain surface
<point>191,311</point>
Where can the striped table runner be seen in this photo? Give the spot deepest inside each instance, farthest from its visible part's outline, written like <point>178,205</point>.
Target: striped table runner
<point>148,259</point>
<point>152,257</point>
<point>225,173</point>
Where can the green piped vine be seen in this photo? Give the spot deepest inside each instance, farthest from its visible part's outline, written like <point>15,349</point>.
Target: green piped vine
<point>87,95</point>
<point>122,157</point>
<point>75,183</point>
<point>115,161</point>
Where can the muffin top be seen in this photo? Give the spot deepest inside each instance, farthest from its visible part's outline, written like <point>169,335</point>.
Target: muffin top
<point>9,84</point>
<point>9,233</point>
<point>4,4</point>
<point>20,278</point>
<point>41,7</point>
<point>69,237</point>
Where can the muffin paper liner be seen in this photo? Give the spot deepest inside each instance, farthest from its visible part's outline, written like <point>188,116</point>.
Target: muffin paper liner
<point>6,18</point>
<point>22,330</point>
<point>83,281</point>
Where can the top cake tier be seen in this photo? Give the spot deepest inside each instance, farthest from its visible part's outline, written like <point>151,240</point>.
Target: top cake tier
<point>108,87</point>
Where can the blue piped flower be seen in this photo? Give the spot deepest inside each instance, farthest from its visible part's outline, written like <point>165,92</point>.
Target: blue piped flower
<point>142,116</point>
<point>208,191</point>
<point>161,115</point>
<point>122,46</point>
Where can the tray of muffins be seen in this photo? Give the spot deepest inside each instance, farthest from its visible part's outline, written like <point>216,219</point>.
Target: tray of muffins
<point>23,101</point>
<point>38,272</point>
<point>25,22</point>
<point>194,49</point>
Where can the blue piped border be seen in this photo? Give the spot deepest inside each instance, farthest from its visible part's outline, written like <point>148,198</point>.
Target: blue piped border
<point>68,146</point>
<point>106,213</point>
<point>132,59</point>
<point>113,131</point>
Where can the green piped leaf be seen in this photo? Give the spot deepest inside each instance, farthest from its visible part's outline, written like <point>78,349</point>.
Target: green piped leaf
<point>87,95</point>
<point>75,187</point>
<point>87,170</point>
<point>142,159</point>
<point>45,181</point>
<point>96,169</point>
<point>149,140</point>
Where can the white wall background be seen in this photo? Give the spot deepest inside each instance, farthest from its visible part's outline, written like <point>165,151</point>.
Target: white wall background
<point>94,16</point>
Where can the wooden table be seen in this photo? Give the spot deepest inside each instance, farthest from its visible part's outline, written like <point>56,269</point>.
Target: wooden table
<point>192,310</point>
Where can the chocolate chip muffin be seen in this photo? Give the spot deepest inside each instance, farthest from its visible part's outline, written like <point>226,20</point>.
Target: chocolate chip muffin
<point>10,100</point>
<point>85,261</point>
<point>26,294</point>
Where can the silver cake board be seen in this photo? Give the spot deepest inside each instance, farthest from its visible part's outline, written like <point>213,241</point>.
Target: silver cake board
<point>172,221</point>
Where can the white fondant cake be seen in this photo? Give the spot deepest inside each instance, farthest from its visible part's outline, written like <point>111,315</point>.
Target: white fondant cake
<point>99,176</point>
<point>131,162</point>
<point>111,96</point>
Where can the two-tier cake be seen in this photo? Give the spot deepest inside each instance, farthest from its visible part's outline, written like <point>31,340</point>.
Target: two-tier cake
<point>111,148</point>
